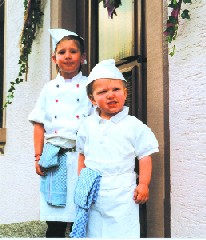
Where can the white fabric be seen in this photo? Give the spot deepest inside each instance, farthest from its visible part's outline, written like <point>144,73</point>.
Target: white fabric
<point>59,104</point>
<point>110,147</point>
<point>105,69</point>
<point>57,34</point>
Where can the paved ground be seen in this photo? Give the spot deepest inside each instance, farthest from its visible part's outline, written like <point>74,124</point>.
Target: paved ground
<point>34,229</point>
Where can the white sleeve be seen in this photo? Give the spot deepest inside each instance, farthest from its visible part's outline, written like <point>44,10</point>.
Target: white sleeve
<point>81,138</point>
<point>145,142</point>
<point>38,113</point>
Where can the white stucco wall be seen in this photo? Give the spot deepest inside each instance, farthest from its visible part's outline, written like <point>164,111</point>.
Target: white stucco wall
<point>19,184</point>
<point>187,76</point>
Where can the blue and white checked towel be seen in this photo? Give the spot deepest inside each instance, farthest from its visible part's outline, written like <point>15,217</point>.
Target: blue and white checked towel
<point>54,183</point>
<point>85,194</point>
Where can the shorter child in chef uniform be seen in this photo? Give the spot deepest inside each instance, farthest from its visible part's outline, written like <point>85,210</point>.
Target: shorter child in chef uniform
<point>108,142</point>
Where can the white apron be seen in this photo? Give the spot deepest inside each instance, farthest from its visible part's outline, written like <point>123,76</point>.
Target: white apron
<point>115,213</point>
<point>62,106</point>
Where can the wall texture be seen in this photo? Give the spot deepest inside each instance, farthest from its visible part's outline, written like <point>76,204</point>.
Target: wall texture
<point>188,126</point>
<point>19,184</point>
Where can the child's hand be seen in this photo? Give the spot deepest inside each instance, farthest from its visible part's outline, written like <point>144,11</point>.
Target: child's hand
<point>141,193</point>
<point>38,169</point>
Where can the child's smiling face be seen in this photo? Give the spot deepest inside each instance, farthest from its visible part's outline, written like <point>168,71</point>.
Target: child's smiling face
<point>109,95</point>
<point>68,57</point>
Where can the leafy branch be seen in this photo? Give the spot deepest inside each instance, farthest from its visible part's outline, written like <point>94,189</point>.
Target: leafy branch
<point>173,21</point>
<point>32,21</point>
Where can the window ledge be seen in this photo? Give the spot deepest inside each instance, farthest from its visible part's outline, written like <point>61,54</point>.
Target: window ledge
<point>2,140</point>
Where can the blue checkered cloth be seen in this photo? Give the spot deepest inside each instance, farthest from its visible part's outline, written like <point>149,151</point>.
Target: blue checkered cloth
<point>54,184</point>
<point>85,194</point>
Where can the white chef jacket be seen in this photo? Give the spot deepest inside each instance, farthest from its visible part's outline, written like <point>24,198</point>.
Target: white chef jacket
<point>62,106</point>
<point>110,147</point>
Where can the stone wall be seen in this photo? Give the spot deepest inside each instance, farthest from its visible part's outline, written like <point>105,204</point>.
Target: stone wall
<point>19,184</point>
<point>187,76</point>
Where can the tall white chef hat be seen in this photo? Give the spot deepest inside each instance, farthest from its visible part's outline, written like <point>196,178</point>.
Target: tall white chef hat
<point>58,33</point>
<point>105,69</point>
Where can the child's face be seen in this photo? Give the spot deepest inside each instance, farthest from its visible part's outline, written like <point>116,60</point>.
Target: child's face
<point>109,95</point>
<point>68,58</point>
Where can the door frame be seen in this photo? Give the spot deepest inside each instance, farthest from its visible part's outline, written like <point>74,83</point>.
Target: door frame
<point>153,100</point>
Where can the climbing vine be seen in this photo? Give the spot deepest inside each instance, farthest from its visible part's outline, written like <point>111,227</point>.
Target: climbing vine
<point>173,21</point>
<point>33,17</point>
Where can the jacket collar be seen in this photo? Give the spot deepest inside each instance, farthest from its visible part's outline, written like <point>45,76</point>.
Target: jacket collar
<point>61,79</point>
<point>115,119</point>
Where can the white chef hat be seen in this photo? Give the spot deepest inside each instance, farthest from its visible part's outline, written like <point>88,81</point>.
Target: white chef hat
<point>105,69</point>
<point>58,33</point>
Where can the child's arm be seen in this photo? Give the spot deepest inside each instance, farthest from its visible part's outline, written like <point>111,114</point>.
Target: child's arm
<point>141,193</point>
<point>38,145</point>
<point>81,162</point>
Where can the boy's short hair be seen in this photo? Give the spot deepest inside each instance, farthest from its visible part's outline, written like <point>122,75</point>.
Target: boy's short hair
<point>58,34</point>
<point>79,41</point>
<point>104,69</point>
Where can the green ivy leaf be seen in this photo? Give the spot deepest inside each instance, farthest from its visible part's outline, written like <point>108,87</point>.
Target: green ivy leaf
<point>11,89</point>
<point>185,14</point>
<point>17,80</point>
<point>172,20</point>
<point>187,1</point>
<point>170,31</point>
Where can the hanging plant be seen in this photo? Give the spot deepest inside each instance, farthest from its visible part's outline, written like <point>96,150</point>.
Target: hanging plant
<point>111,6</point>
<point>32,21</point>
<point>173,21</point>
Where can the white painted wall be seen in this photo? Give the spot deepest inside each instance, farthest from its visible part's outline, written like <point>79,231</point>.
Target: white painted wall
<point>19,184</point>
<point>188,126</point>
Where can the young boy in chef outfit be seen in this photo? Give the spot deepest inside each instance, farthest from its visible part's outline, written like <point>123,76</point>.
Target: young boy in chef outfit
<point>60,109</point>
<point>108,142</point>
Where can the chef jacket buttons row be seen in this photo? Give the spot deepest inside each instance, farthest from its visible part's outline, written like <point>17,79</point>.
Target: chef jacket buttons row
<point>77,116</point>
<point>77,85</point>
<point>58,100</point>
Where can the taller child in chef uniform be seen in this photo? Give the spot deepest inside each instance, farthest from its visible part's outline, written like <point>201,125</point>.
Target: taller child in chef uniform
<point>60,109</point>
<point>108,142</point>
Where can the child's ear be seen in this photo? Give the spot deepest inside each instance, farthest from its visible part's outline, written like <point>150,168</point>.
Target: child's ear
<point>125,93</point>
<point>83,59</point>
<point>91,98</point>
<point>54,58</point>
